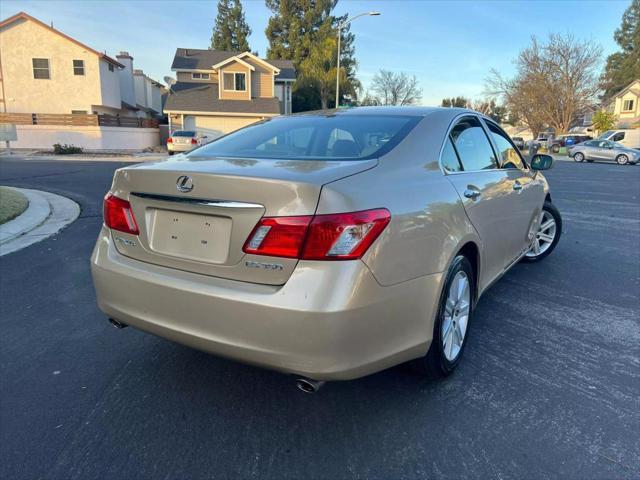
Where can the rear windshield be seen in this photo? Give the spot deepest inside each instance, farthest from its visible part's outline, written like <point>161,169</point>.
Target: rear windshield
<point>314,137</point>
<point>183,133</point>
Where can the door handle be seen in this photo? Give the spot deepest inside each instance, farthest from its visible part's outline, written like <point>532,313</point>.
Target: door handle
<point>517,185</point>
<point>472,192</point>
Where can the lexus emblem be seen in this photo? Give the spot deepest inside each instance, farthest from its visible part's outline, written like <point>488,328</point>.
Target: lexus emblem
<point>184,184</point>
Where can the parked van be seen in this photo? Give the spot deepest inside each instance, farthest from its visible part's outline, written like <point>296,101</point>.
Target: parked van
<point>630,138</point>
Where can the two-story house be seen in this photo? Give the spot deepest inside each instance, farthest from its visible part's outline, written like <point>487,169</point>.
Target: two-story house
<point>44,71</point>
<point>217,92</point>
<point>626,105</point>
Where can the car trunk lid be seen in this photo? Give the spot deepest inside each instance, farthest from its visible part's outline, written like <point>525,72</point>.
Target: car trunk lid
<point>195,213</point>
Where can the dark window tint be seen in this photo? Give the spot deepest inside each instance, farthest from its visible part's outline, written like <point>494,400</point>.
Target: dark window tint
<point>183,133</point>
<point>449,157</point>
<point>472,145</point>
<point>617,137</point>
<point>40,68</point>
<point>78,67</point>
<point>508,155</point>
<point>111,69</point>
<point>315,137</point>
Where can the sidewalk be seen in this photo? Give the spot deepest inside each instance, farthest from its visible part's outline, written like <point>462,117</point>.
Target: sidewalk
<point>137,157</point>
<point>46,215</point>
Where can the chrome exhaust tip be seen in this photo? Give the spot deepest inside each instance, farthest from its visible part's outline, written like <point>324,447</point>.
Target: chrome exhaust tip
<point>308,386</point>
<point>117,324</point>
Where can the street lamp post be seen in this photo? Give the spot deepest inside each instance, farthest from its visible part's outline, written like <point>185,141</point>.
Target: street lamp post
<point>340,27</point>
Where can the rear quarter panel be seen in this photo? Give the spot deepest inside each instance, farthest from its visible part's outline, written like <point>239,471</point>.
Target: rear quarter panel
<point>428,224</point>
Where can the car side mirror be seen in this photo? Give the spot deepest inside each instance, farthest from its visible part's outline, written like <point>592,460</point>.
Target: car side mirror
<point>541,162</point>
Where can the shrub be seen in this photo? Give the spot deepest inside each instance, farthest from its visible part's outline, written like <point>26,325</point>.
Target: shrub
<point>603,120</point>
<point>65,149</point>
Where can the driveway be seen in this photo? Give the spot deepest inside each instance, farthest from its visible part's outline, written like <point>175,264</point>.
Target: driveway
<point>549,387</point>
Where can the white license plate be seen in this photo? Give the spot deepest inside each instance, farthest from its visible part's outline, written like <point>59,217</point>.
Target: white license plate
<point>192,236</point>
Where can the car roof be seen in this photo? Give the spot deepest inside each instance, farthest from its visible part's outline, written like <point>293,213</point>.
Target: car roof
<point>412,111</point>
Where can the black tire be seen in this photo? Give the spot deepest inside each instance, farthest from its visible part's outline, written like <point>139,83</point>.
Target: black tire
<point>555,148</point>
<point>435,364</point>
<point>550,208</point>
<point>622,159</point>
<point>171,153</point>
<point>578,157</point>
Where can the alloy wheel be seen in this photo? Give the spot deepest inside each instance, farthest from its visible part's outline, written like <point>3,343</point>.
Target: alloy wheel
<point>456,316</point>
<point>622,159</point>
<point>578,157</point>
<point>544,237</point>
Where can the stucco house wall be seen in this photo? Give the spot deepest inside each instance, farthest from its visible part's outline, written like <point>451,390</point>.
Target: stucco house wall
<point>23,40</point>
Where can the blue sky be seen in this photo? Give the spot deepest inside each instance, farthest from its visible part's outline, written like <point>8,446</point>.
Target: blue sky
<point>449,45</point>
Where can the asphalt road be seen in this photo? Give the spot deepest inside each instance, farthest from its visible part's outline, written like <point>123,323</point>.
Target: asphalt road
<point>549,387</point>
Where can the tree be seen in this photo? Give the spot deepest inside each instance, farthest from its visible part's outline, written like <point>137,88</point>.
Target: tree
<point>490,108</point>
<point>554,81</point>
<point>298,27</point>
<point>623,67</point>
<point>391,88</point>
<point>604,120</point>
<point>459,102</point>
<point>231,31</point>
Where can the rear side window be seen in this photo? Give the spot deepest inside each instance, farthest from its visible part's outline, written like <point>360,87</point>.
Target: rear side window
<point>472,145</point>
<point>449,158</point>
<point>315,137</point>
<point>617,137</point>
<point>183,133</point>
<point>507,152</point>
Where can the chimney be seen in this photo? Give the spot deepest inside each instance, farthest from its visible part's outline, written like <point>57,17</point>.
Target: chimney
<point>125,75</point>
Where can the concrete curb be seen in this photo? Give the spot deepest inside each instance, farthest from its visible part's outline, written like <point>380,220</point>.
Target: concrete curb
<point>34,224</point>
<point>37,212</point>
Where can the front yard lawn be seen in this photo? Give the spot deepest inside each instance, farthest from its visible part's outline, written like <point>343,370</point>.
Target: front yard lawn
<point>12,204</point>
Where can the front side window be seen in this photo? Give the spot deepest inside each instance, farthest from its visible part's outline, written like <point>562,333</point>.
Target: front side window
<point>314,137</point>
<point>472,145</point>
<point>628,105</point>
<point>78,67</point>
<point>41,68</point>
<point>235,81</point>
<point>508,155</point>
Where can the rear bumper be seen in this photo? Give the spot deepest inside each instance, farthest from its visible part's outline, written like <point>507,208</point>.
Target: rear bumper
<point>180,147</point>
<point>330,321</point>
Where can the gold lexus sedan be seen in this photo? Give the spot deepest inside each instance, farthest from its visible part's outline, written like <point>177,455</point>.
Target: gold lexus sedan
<point>328,245</point>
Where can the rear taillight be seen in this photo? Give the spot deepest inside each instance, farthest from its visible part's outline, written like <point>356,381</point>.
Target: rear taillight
<point>169,140</point>
<point>119,216</point>
<point>340,236</point>
<point>194,141</point>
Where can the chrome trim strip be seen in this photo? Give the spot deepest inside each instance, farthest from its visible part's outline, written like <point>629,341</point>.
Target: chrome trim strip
<point>197,201</point>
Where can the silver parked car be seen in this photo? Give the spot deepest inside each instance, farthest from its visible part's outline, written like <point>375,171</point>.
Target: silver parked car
<point>329,245</point>
<point>182,141</point>
<point>604,150</point>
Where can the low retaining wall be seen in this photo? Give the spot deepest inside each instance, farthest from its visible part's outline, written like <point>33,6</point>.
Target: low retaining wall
<point>88,138</point>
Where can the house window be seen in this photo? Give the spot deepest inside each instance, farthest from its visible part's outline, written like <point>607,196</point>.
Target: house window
<point>111,67</point>
<point>200,76</point>
<point>235,81</point>
<point>40,68</point>
<point>627,105</point>
<point>78,67</point>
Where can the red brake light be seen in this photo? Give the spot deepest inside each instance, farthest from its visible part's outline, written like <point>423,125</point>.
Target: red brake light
<point>344,236</point>
<point>341,236</point>
<point>278,236</point>
<point>170,140</point>
<point>119,216</point>
<point>194,141</point>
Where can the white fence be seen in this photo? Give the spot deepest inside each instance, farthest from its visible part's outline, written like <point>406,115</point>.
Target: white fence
<point>86,137</point>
